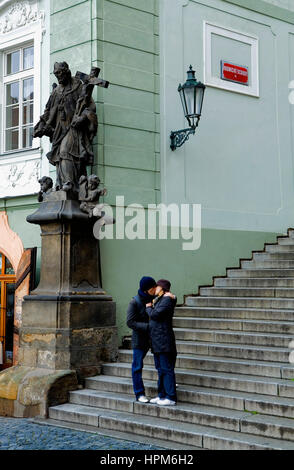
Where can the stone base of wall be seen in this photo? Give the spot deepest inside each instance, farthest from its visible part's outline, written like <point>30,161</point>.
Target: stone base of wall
<point>26,392</point>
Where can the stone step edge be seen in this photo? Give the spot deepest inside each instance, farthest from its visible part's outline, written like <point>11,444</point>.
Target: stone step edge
<point>234,332</point>
<point>152,384</point>
<point>240,267</point>
<point>252,257</point>
<point>290,278</point>
<point>225,346</point>
<point>163,424</point>
<point>215,374</point>
<point>123,436</point>
<point>242,347</point>
<point>242,302</point>
<point>217,417</point>
<point>284,299</point>
<point>251,309</point>
<point>190,407</point>
<point>200,357</point>
<point>232,346</point>
<point>237,320</point>
<point>254,279</point>
<point>246,288</point>
<point>273,405</point>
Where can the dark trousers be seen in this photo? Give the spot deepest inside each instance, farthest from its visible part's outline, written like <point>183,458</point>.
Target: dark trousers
<point>165,365</point>
<point>137,367</point>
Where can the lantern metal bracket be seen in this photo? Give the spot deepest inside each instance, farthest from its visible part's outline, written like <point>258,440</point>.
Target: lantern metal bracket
<point>178,138</point>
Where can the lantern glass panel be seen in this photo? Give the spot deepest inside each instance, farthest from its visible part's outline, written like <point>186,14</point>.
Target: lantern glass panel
<point>190,99</point>
<point>183,100</point>
<point>199,100</point>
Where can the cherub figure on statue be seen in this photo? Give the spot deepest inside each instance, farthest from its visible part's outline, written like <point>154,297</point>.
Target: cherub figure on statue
<point>46,185</point>
<point>89,195</point>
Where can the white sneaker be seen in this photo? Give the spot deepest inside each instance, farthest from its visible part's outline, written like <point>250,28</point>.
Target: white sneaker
<point>155,400</point>
<point>166,402</point>
<point>143,399</point>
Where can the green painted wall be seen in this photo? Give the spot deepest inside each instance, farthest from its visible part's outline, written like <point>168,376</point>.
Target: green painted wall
<point>125,262</point>
<point>122,38</point>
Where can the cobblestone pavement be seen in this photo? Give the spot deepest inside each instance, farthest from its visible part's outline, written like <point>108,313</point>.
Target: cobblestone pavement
<point>22,434</point>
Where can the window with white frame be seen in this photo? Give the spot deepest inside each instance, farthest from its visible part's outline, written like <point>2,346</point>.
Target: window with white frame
<point>233,46</point>
<point>18,83</point>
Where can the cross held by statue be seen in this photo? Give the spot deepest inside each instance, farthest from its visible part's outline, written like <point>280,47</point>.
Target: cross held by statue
<point>92,78</point>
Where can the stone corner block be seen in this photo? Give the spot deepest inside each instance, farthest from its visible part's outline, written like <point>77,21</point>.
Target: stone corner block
<point>28,392</point>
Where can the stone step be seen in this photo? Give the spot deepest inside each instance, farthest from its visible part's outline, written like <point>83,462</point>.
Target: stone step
<point>237,351</point>
<point>247,302</point>
<point>258,272</point>
<point>202,378</point>
<point>219,364</point>
<point>285,241</point>
<point>253,282</point>
<point>267,264</point>
<point>261,326</point>
<point>279,292</point>
<point>235,313</point>
<point>122,435</point>
<point>185,433</point>
<point>232,400</point>
<point>184,412</point>
<point>274,256</point>
<point>239,421</point>
<point>280,248</point>
<point>238,337</point>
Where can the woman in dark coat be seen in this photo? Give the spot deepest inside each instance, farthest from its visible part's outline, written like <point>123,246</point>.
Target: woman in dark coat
<point>163,342</point>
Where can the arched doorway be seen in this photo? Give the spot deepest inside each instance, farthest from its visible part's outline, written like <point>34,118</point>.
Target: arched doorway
<point>7,289</point>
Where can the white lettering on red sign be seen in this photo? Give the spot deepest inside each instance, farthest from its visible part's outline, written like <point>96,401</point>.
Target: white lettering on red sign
<point>234,73</point>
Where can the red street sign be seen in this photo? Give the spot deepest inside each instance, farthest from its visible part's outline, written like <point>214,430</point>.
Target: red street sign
<point>234,73</point>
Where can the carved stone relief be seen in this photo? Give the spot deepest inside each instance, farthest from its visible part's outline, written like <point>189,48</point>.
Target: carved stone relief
<point>20,178</point>
<point>19,14</point>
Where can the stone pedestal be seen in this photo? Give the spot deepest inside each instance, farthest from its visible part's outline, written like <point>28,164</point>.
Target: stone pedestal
<point>69,322</point>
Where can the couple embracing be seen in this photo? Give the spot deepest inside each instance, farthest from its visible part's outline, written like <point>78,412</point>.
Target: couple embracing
<point>150,315</point>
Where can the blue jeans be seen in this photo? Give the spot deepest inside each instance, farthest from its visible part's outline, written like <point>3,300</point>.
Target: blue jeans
<point>165,365</point>
<point>137,367</point>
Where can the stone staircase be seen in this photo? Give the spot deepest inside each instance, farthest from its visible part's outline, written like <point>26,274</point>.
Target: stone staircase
<point>235,381</point>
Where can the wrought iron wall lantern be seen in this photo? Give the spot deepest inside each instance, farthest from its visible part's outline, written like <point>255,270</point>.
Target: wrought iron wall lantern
<point>192,94</point>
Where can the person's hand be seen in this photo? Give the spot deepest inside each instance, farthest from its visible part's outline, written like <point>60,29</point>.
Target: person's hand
<point>169,294</point>
<point>149,305</point>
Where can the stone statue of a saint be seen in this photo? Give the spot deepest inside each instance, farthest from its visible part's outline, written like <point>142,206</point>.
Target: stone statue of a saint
<point>70,121</point>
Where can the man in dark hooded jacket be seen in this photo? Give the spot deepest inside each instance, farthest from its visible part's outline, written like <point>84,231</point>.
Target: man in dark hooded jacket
<point>138,321</point>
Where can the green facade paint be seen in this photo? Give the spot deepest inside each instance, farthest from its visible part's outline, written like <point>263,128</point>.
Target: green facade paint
<point>124,38</point>
<point>125,262</point>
